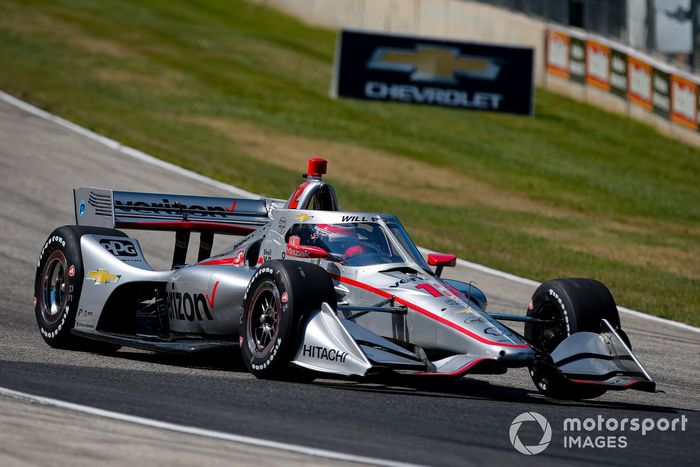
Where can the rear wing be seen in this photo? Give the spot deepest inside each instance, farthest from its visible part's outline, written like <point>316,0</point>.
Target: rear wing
<point>183,214</point>
<point>150,211</point>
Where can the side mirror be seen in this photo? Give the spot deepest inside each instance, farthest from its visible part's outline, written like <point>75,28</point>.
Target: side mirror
<point>441,260</point>
<point>296,250</point>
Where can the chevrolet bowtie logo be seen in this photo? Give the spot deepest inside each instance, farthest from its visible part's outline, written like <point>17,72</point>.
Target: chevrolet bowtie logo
<point>102,276</point>
<point>433,63</point>
<point>304,217</point>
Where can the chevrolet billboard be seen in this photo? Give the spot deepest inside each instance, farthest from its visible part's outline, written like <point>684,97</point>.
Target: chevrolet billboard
<point>435,72</point>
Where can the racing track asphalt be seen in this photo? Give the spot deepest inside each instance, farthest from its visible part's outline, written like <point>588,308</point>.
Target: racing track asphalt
<point>463,423</point>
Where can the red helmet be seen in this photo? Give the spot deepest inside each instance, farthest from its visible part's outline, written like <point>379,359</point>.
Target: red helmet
<point>335,233</point>
<point>339,239</point>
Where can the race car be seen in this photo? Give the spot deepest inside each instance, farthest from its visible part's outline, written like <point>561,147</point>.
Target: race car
<point>309,289</point>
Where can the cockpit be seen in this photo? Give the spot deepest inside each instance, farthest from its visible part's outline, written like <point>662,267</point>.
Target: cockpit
<point>380,241</point>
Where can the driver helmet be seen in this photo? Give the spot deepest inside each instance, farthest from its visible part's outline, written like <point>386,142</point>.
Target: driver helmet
<point>340,239</point>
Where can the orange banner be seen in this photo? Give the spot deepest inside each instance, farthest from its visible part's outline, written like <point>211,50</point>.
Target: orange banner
<point>598,65</point>
<point>558,54</point>
<point>684,102</point>
<point>639,82</point>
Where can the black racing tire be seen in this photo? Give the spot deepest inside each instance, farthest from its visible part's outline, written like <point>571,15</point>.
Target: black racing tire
<point>57,287</point>
<point>278,298</point>
<point>575,305</point>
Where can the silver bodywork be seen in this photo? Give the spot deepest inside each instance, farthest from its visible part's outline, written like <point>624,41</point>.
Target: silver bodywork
<point>204,299</point>
<point>199,299</point>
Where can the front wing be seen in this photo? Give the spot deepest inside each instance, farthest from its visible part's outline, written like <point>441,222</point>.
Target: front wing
<point>332,344</point>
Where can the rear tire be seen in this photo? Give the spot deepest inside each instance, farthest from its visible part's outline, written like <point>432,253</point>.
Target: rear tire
<point>575,305</point>
<point>278,298</point>
<point>57,287</point>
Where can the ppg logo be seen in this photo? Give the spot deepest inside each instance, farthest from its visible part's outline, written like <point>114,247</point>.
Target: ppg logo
<point>119,247</point>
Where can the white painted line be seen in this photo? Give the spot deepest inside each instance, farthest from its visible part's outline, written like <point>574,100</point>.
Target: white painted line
<point>323,453</point>
<point>142,156</point>
<point>658,319</point>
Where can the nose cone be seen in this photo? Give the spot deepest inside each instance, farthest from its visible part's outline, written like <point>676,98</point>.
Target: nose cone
<point>516,356</point>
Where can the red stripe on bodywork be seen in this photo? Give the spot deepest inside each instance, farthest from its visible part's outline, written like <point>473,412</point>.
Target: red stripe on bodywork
<point>425,312</point>
<point>294,201</point>
<point>187,225</point>
<point>219,262</point>
<point>459,372</point>
<point>237,260</point>
<point>603,383</point>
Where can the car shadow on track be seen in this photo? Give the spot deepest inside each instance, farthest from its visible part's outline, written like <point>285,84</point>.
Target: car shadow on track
<point>484,390</point>
<point>467,388</point>
<point>211,360</point>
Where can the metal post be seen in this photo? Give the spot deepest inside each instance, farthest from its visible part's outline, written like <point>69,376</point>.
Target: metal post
<point>651,25</point>
<point>182,241</point>
<point>695,31</point>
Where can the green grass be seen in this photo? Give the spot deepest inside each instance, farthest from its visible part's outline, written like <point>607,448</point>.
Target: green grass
<point>226,87</point>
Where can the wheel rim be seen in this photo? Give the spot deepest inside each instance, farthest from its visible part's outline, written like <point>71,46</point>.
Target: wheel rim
<point>54,287</point>
<point>548,336</point>
<point>263,319</point>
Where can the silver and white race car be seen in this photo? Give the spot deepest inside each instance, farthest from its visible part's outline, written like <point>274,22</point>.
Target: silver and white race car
<point>310,289</point>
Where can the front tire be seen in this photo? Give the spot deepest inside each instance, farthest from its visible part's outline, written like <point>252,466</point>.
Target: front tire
<point>278,298</point>
<point>57,287</point>
<point>572,305</point>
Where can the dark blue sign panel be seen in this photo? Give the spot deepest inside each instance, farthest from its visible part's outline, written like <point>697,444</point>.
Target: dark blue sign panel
<point>428,71</point>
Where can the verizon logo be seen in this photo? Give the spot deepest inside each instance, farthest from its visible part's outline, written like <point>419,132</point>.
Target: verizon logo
<point>166,207</point>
